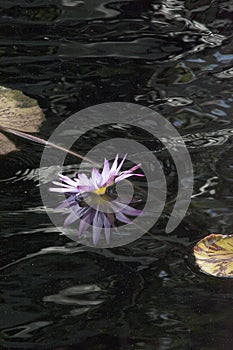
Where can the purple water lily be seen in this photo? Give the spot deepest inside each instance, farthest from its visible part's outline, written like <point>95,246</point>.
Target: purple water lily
<point>95,201</point>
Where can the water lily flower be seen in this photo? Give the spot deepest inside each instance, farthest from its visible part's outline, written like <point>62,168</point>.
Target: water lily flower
<point>95,201</point>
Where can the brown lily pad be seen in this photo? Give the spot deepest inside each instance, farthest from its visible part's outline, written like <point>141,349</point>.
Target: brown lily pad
<point>214,255</point>
<point>19,112</point>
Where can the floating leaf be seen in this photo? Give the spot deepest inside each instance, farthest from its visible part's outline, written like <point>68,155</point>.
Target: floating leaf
<point>20,112</point>
<point>214,255</point>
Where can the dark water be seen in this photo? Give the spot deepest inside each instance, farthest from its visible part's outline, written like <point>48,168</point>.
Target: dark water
<point>175,57</point>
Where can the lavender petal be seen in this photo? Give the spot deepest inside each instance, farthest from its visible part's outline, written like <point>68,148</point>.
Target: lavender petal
<point>105,172</point>
<point>67,180</point>
<point>107,231</point>
<point>134,167</point>
<point>121,163</point>
<point>62,184</point>
<point>84,179</point>
<point>125,209</point>
<point>84,224</point>
<point>121,217</point>
<point>75,215</point>
<point>97,227</point>
<point>63,190</point>
<point>96,178</point>
<point>84,188</point>
<point>131,211</point>
<point>67,202</point>
<point>72,217</point>
<point>114,165</point>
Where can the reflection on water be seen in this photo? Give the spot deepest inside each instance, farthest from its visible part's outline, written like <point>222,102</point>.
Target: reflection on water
<point>176,58</point>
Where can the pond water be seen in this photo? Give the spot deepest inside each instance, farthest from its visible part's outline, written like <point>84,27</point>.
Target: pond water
<point>176,58</point>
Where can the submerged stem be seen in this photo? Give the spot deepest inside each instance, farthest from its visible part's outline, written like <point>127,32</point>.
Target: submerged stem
<point>46,143</point>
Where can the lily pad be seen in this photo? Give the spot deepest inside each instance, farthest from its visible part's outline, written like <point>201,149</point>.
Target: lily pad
<point>214,255</point>
<point>19,112</point>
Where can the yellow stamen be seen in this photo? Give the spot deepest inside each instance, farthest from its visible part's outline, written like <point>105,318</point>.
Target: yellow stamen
<point>101,191</point>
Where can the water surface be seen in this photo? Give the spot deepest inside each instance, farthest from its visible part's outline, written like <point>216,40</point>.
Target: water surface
<point>176,58</point>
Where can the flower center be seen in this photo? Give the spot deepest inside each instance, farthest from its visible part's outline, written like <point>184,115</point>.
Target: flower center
<point>102,190</point>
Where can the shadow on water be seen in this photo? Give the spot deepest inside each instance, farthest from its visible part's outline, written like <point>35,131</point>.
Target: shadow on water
<point>176,58</point>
